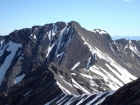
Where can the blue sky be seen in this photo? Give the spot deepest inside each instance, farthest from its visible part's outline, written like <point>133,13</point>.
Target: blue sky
<point>117,17</point>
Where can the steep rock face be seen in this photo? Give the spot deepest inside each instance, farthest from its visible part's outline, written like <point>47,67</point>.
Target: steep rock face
<point>88,62</point>
<point>35,47</point>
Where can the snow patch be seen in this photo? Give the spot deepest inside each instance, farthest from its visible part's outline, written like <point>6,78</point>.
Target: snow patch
<point>62,98</point>
<point>11,47</point>
<point>100,31</point>
<point>79,86</point>
<point>64,89</point>
<point>60,40</point>
<point>35,37</point>
<point>69,37</point>
<point>54,28</point>
<point>19,78</point>
<point>27,92</point>
<point>125,75</point>
<point>50,49</point>
<point>52,33</point>
<point>88,63</point>
<point>68,29</point>
<point>75,66</point>
<point>103,98</point>
<point>32,35</point>
<point>134,49</point>
<point>67,83</point>
<point>48,103</point>
<point>2,47</point>
<point>106,76</point>
<point>69,101</point>
<point>87,76</point>
<point>73,74</point>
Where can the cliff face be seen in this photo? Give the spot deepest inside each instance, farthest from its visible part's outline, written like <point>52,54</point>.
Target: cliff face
<point>67,58</point>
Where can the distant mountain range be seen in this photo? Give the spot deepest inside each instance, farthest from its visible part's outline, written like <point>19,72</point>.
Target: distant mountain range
<point>126,37</point>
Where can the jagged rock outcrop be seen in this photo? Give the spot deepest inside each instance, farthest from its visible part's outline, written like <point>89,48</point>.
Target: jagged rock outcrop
<point>79,62</point>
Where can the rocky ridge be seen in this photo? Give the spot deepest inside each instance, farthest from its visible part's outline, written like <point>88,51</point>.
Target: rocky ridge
<point>64,60</point>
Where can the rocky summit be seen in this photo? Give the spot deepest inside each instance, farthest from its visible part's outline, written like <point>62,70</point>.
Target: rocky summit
<point>64,64</point>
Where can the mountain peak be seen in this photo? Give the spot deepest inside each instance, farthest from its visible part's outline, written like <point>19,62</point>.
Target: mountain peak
<point>67,58</point>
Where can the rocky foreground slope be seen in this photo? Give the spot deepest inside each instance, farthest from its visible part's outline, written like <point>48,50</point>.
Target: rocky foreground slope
<point>65,64</point>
